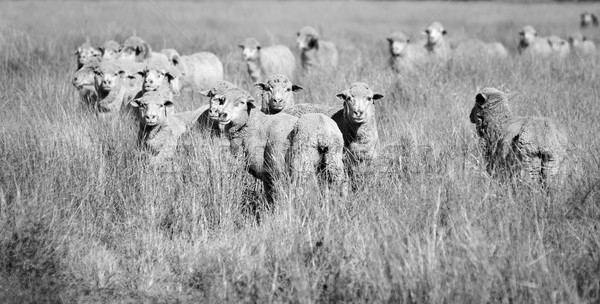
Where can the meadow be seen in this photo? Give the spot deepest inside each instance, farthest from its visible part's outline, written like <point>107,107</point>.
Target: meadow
<point>83,219</point>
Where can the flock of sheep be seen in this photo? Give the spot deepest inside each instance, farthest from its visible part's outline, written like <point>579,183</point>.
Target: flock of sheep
<point>280,139</point>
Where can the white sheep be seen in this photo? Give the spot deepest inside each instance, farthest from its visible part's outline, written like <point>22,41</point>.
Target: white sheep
<point>405,56</point>
<point>277,93</point>
<point>265,61</point>
<point>535,145</point>
<point>217,100</point>
<point>87,53</point>
<point>110,49</point>
<point>265,140</point>
<point>436,45</point>
<point>560,47</point>
<point>588,19</point>
<point>201,71</point>
<point>159,75</point>
<point>83,81</point>
<point>135,49</point>
<point>316,53</point>
<point>582,46</point>
<point>159,129</point>
<point>113,92</point>
<point>531,43</point>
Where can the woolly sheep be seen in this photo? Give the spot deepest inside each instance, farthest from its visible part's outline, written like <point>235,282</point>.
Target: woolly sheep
<point>217,100</point>
<point>83,81</point>
<point>404,55</point>
<point>559,46</point>
<point>137,50</point>
<point>265,140</point>
<point>581,45</point>
<point>530,43</point>
<point>112,90</point>
<point>537,144</point>
<point>588,19</point>
<point>110,49</point>
<point>159,75</point>
<point>277,93</point>
<point>436,45</point>
<point>265,61</point>
<point>201,71</point>
<point>159,128</point>
<point>87,53</point>
<point>314,51</point>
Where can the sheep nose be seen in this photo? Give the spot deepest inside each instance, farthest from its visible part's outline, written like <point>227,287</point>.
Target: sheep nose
<point>223,116</point>
<point>150,116</point>
<point>358,113</point>
<point>75,79</point>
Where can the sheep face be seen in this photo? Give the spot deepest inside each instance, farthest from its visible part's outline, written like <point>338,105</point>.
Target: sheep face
<point>398,42</point>
<point>576,39</point>
<point>217,99</point>
<point>108,76</point>
<point>435,32</point>
<point>358,102</point>
<point>153,80</point>
<point>85,77</point>
<point>110,49</point>
<point>154,108</point>
<point>308,38</point>
<point>559,45</point>
<point>486,100</point>
<point>236,108</point>
<point>526,35</point>
<point>250,49</point>
<point>280,91</point>
<point>86,54</point>
<point>588,19</point>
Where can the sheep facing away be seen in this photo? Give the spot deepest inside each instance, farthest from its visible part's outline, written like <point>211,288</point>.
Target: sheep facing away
<point>201,71</point>
<point>265,61</point>
<point>581,46</point>
<point>265,141</point>
<point>436,45</point>
<point>314,52</point>
<point>536,146</point>
<point>588,19</point>
<point>277,93</point>
<point>405,56</point>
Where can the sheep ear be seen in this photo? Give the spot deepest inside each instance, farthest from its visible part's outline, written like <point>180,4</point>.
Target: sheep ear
<point>480,98</point>
<point>241,46</point>
<point>134,103</point>
<point>444,32</point>
<point>296,88</point>
<point>207,93</point>
<point>343,95</point>
<point>377,96</point>
<point>122,74</point>
<point>77,51</point>
<point>169,108</point>
<point>262,86</point>
<point>251,102</point>
<point>389,39</point>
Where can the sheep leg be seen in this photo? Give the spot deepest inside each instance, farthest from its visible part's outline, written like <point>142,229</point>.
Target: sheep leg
<point>532,166</point>
<point>550,168</point>
<point>334,170</point>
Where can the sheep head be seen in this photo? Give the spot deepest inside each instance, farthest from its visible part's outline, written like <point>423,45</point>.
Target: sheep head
<point>490,104</point>
<point>172,55</point>
<point>559,45</point>
<point>308,38</point>
<point>280,91</point>
<point>236,108</point>
<point>154,108</point>
<point>358,102</point>
<point>108,76</point>
<point>398,42</point>
<point>135,49</point>
<point>85,76</point>
<point>110,49</point>
<point>250,49</point>
<point>156,72</point>
<point>526,35</point>
<point>435,32</point>
<point>86,53</point>
<point>588,19</point>
<point>576,39</point>
<point>217,99</point>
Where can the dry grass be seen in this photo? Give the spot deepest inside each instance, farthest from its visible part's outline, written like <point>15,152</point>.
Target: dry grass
<point>83,219</point>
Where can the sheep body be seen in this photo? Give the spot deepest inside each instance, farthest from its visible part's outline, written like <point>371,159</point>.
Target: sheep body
<point>265,61</point>
<point>201,71</point>
<point>436,45</point>
<point>530,43</point>
<point>404,55</point>
<point>315,52</point>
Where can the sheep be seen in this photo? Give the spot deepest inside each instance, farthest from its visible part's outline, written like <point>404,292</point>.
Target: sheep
<point>314,51</point>
<point>137,50</point>
<point>436,45</point>
<point>581,45</point>
<point>588,19</point>
<point>404,55</point>
<point>201,71</point>
<point>159,75</point>
<point>87,53</point>
<point>265,140</point>
<point>476,47</point>
<point>304,108</point>
<point>530,43</point>
<point>537,144</point>
<point>277,93</point>
<point>159,128</point>
<point>83,81</point>
<point>112,90</point>
<point>262,62</point>
<point>560,47</point>
<point>110,49</point>
<point>211,120</point>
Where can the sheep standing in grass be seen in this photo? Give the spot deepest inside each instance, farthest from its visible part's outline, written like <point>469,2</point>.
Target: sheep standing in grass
<point>535,145</point>
<point>530,43</point>
<point>112,90</point>
<point>87,53</point>
<point>588,19</point>
<point>560,47</point>
<point>316,53</point>
<point>159,75</point>
<point>265,61</point>
<point>436,45</point>
<point>581,46</point>
<point>159,128</point>
<point>201,71</point>
<point>84,80</point>
<point>110,49</point>
<point>135,49</point>
<point>404,55</point>
<point>277,93</point>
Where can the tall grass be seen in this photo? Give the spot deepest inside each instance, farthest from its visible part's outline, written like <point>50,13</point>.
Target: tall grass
<point>84,219</point>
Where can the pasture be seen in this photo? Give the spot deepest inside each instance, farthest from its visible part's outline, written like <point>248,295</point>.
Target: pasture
<point>82,219</point>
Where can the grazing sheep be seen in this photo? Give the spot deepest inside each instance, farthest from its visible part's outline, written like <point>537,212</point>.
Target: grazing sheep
<point>476,47</point>
<point>87,53</point>
<point>137,50</point>
<point>201,71</point>
<point>262,62</point>
<point>559,46</point>
<point>110,49</point>
<point>277,93</point>
<point>581,45</point>
<point>436,45</point>
<point>84,80</point>
<point>159,75</point>
<point>314,51</point>
<point>530,43</point>
<point>159,129</point>
<point>404,55</point>
<point>588,19</point>
<point>537,144</point>
<point>112,90</point>
<point>265,140</point>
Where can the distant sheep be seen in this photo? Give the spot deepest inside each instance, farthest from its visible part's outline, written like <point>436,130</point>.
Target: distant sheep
<point>532,144</point>
<point>201,71</point>
<point>588,19</point>
<point>405,56</point>
<point>87,53</point>
<point>159,75</point>
<point>436,45</point>
<point>135,49</point>
<point>530,43</point>
<point>110,49</point>
<point>277,93</point>
<point>560,47</point>
<point>314,52</point>
<point>581,46</point>
<point>265,61</point>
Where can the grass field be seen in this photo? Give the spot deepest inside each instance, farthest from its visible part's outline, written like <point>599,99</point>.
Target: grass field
<point>83,219</point>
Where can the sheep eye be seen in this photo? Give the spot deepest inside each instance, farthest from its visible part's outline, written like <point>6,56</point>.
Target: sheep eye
<point>369,98</point>
<point>288,89</point>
